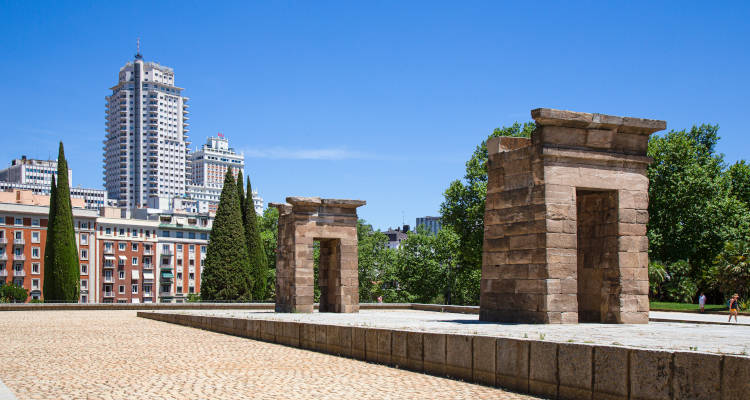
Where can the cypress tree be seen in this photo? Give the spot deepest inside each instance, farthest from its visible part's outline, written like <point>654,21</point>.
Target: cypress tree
<point>256,252</point>
<point>226,273</point>
<point>61,269</point>
<point>48,248</point>
<point>241,193</point>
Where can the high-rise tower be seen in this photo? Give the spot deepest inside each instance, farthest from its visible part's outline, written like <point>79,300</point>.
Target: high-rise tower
<point>146,145</point>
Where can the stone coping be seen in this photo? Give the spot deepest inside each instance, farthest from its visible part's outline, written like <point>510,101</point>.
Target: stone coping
<point>176,306</point>
<point>549,369</point>
<point>317,201</point>
<point>574,119</point>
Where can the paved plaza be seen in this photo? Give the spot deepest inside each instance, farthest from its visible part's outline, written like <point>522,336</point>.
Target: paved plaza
<point>115,355</point>
<point>725,339</point>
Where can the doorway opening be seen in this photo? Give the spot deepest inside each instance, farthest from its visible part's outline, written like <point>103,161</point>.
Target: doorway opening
<point>598,267</point>
<point>328,277</point>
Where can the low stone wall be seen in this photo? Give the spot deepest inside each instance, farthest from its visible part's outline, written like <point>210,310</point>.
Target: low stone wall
<point>177,306</point>
<point>553,370</point>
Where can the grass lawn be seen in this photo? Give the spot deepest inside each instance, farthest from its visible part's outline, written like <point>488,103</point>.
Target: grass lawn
<point>666,306</point>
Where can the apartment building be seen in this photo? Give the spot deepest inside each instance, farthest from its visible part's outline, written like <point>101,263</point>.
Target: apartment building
<point>23,235</point>
<point>152,256</point>
<point>146,144</point>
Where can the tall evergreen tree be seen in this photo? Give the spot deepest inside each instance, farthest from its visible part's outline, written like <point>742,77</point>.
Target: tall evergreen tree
<point>241,193</point>
<point>61,269</point>
<point>258,262</point>
<point>226,274</point>
<point>48,247</point>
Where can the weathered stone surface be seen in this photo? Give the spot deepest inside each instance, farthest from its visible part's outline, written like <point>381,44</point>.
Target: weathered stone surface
<point>434,353</point>
<point>610,372</point>
<point>513,364</point>
<point>484,356</point>
<point>458,356</point>
<point>570,205</point>
<point>332,223</point>
<point>384,346</point>
<point>399,355</point>
<point>735,378</point>
<point>650,374</point>
<point>359,343</point>
<point>574,370</point>
<point>543,369</point>
<point>414,351</point>
<point>694,376</point>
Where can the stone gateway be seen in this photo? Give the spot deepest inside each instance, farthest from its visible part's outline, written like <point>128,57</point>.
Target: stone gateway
<point>333,224</point>
<point>565,221</point>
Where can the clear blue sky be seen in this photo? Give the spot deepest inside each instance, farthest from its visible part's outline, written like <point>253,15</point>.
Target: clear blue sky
<point>382,101</point>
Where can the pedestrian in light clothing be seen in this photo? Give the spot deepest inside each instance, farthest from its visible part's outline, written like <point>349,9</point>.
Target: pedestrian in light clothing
<point>734,307</point>
<point>702,302</point>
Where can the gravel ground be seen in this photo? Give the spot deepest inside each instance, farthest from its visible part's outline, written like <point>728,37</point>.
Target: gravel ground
<point>115,355</point>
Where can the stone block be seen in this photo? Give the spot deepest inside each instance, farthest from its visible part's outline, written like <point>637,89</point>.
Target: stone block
<point>307,336</point>
<point>484,355</point>
<point>543,379</point>
<point>434,353</point>
<point>384,346</point>
<point>610,372</point>
<point>650,374</point>
<point>268,330</point>
<point>359,344</point>
<point>574,370</point>
<point>371,345</point>
<point>512,364</point>
<point>398,348</point>
<point>414,351</point>
<point>696,376</point>
<point>458,356</point>
<point>321,343</point>
<point>735,378</point>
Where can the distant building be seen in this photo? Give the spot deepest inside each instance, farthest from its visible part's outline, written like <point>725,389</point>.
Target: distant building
<point>146,144</point>
<point>396,236</point>
<point>26,174</point>
<point>209,165</point>
<point>432,224</point>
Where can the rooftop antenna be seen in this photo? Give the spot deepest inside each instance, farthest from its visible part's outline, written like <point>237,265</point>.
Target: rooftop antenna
<point>138,55</point>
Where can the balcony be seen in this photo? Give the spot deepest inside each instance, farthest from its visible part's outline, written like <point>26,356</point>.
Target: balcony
<point>109,250</point>
<point>167,252</point>
<point>3,272</point>
<point>19,242</point>
<point>148,266</point>
<point>109,279</point>
<point>3,257</point>
<point>148,252</point>
<point>3,240</point>
<point>17,272</point>
<point>166,294</point>
<point>109,294</point>
<point>19,257</point>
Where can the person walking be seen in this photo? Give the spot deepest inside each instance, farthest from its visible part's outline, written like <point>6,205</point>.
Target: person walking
<point>734,307</point>
<point>702,302</point>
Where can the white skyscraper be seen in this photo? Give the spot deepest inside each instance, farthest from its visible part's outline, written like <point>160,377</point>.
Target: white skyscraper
<point>146,145</point>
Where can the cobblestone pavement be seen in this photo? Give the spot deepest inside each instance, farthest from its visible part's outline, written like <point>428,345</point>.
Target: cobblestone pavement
<point>115,355</point>
<point>725,339</point>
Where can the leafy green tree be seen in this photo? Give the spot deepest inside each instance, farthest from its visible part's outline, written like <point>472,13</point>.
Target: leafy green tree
<point>692,209</point>
<point>376,263</point>
<point>226,274</point>
<point>50,240</point>
<point>739,181</point>
<point>269,231</point>
<point>463,208</point>
<point>732,269</point>
<point>61,269</point>
<point>256,252</point>
<point>10,293</point>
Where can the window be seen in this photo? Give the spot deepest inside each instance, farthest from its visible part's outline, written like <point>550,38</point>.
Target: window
<point>121,246</point>
<point>135,261</point>
<point>179,248</point>
<point>84,284</point>
<point>191,289</point>
<point>121,289</point>
<point>19,221</point>
<point>191,235</point>
<point>166,248</point>
<point>147,289</point>
<point>179,262</point>
<point>18,235</point>
<point>135,288</point>
<point>134,233</point>
<point>179,234</point>
<point>84,299</point>
<point>203,249</point>
<point>35,222</point>
<point>204,236</point>
<point>179,275</point>
<point>84,269</point>
<point>191,276</point>
<point>35,237</point>
<point>122,231</point>
<point>191,248</point>
<point>35,252</point>
<point>84,254</point>
<point>121,275</point>
<point>107,275</point>
<point>108,231</point>
<point>179,289</point>
<point>134,247</point>
<point>35,268</point>
<point>84,238</point>
<point>165,233</point>
<point>35,284</point>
